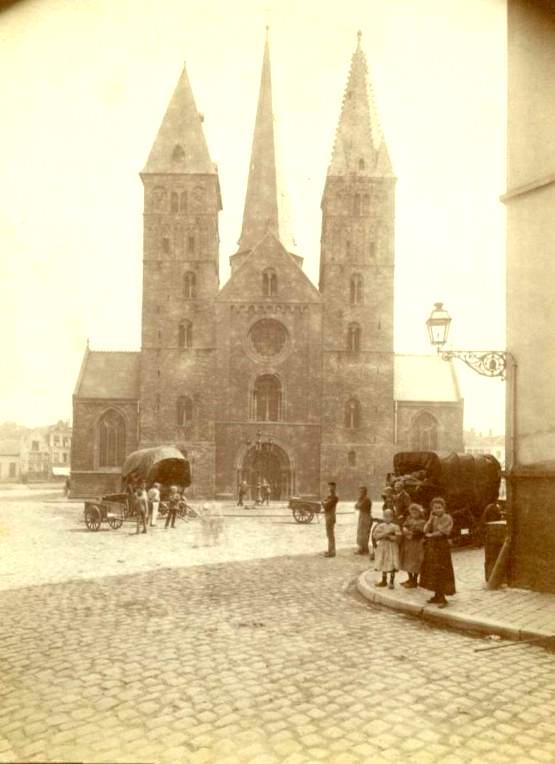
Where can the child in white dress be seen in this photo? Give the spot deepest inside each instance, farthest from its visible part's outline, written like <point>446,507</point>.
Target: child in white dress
<point>387,535</point>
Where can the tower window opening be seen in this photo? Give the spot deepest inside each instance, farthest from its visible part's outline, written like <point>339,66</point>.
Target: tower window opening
<point>266,399</point>
<point>372,249</point>
<point>356,290</point>
<point>185,335</point>
<point>174,202</point>
<point>178,153</point>
<point>183,201</point>
<point>352,458</point>
<point>356,205</point>
<point>353,337</point>
<point>352,415</point>
<point>347,248</point>
<point>366,204</point>
<point>166,245</point>
<point>184,411</point>
<point>191,244</point>
<point>361,164</point>
<point>189,285</point>
<point>269,283</point>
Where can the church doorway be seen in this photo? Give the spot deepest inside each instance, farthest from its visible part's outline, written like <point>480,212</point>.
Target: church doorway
<point>266,461</point>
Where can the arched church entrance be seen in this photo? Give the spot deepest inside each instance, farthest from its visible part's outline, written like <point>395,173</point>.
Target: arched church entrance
<point>267,461</point>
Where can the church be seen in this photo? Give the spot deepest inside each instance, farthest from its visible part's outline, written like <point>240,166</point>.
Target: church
<point>268,376</point>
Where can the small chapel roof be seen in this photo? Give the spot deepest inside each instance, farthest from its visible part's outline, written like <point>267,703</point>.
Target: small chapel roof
<point>359,145</point>
<point>109,374</point>
<point>180,146</point>
<point>425,378</point>
<point>266,202</point>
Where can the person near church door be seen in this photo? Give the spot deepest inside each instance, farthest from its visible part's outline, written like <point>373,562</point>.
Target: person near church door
<point>329,505</point>
<point>364,507</point>
<point>266,492</point>
<point>243,490</point>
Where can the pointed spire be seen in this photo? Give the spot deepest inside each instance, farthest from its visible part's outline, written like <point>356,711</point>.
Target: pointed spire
<point>359,144</point>
<point>180,146</point>
<point>265,201</point>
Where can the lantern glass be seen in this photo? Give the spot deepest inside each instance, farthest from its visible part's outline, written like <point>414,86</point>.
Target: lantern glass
<point>438,325</point>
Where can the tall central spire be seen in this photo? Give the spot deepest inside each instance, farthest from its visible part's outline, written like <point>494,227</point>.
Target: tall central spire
<point>265,201</point>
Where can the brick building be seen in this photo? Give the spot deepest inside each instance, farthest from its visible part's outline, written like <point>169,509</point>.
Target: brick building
<point>268,376</point>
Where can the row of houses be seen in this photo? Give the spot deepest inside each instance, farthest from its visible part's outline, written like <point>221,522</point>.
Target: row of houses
<point>36,454</point>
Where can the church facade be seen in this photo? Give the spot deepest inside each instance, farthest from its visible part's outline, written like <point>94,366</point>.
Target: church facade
<point>267,377</point>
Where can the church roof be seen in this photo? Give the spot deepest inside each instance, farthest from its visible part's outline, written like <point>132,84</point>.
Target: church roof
<point>266,207</point>
<point>111,375</point>
<point>359,144</point>
<point>180,146</point>
<point>426,379</point>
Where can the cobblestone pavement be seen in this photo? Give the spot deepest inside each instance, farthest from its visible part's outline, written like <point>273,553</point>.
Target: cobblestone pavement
<point>256,662</point>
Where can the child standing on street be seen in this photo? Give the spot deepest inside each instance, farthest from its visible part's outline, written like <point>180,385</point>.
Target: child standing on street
<point>387,535</point>
<point>412,548</point>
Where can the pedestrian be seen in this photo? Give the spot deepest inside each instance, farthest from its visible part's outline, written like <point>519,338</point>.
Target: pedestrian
<point>67,487</point>
<point>401,503</point>
<point>387,497</point>
<point>436,573</point>
<point>173,502</point>
<point>329,505</point>
<point>243,490</point>
<point>141,507</point>
<point>153,503</point>
<point>364,507</point>
<point>412,547</point>
<point>266,492</point>
<point>388,535</point>
<point>258,493</point>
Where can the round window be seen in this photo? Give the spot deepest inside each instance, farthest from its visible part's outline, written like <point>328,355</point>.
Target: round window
<point>268,337</point>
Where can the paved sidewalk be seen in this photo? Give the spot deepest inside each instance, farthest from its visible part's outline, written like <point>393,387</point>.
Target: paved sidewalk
<point>509,613</point>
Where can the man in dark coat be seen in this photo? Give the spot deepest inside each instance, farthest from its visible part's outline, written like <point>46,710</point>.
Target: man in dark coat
<point>329,505</point>
<point>364,507</point>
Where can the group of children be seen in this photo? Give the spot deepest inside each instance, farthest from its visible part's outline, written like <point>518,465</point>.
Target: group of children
<point>419,546</point>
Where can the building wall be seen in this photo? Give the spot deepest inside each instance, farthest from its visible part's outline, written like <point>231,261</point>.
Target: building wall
<point>10,471</point>
<point>87,478</point>
<point>449,417</point>
<point>530,202</point>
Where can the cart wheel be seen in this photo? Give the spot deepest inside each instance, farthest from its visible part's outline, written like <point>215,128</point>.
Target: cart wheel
<point>115,522</point>
<point>303,515</point>
<point>93,517</point>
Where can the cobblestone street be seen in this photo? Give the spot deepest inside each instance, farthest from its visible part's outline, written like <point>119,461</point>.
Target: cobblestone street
<point>253,660</point>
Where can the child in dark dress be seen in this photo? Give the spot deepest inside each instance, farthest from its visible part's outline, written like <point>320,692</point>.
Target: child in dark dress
<point>437,572</point>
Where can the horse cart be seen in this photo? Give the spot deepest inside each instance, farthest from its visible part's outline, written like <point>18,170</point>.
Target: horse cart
<point>304,510</point>
<point>165,465</point>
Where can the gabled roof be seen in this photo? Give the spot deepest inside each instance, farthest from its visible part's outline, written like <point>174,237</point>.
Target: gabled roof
<point>180,146</point>
<point>110,375</point>
<point>245,283</point>
<point>425,378</point>
<point>359,144</point>
<point>9,447</point>
<point>266,207</point>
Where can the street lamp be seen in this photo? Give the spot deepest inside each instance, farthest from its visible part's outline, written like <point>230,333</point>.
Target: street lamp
<point>489,363</point>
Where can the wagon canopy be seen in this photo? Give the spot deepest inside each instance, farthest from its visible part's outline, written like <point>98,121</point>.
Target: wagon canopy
<point>163,464</point>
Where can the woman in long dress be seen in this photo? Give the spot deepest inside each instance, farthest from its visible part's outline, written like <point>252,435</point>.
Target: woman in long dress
<point>387,535</point>
<point>437,573</point>
<point>412,548</point>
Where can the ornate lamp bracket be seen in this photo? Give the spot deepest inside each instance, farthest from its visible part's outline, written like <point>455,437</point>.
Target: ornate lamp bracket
<point>489,363</point>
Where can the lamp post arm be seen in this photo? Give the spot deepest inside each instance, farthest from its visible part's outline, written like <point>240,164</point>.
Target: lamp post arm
<point>489,363</point>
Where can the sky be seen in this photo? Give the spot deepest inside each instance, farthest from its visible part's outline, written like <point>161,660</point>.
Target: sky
<point>88,84</point>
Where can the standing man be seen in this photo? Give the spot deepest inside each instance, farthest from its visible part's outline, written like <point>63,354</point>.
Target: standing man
<point>153,503</point>
<point>329,506</point>
<point>141,507</point>
<point>243,488</point>
<point>364,506</point>
<point>401,503</point>
<point>266,492</point>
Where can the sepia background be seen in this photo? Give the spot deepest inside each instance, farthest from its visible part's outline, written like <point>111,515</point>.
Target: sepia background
<point>83,89</point>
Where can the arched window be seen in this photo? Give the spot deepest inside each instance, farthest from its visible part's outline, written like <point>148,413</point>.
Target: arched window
<point>356,289</point>
<point>189,285</point>
<point>352,458</point>
<point>191,244</point>
<point>185,335</point>
<point>269,282</point>
<point>183,201</point>
<point>111,439</point>
<point>356,204</point>
<point>166,245</point>
<point>174,202</point>
<point>353,338</point>
<point>352,414</point>
<point>184,410</point>
<point>266,399</point>
<point>424,433</point>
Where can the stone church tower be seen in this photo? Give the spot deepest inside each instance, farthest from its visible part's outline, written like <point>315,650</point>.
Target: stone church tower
<point>356,283</point>
<point>267,377</point>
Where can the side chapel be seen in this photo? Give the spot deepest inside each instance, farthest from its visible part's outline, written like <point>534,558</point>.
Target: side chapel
<point>268,376</point>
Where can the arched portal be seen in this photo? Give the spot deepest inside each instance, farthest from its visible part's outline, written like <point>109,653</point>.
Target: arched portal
<point>267,461</point>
